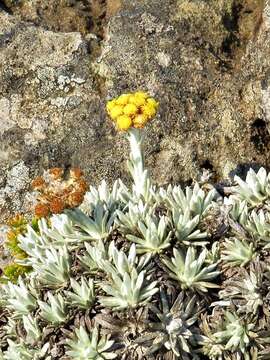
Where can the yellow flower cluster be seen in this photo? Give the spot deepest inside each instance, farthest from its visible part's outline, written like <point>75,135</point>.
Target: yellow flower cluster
<point>132,110</point>
<point>11,270</point>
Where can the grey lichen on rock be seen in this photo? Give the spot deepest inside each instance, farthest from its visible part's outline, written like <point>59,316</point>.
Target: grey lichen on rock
<point>15,191</point>
<point>207,62</point>
<point>51,109</point>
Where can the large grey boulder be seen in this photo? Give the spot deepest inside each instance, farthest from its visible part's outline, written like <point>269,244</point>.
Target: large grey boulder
<point>207,62</point>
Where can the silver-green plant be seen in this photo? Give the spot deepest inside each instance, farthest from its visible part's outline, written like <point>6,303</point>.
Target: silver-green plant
<point>90,346</point>
<point>256,189</point>
<point>174,328</point>
<point>33,243</point>
<point>96,270</point>
<point>111,199</point>
<point>82,294</point>
<point>195,199</point>
<point>185,228</point>
<point>236,208</point>
<point>212,349</point>
<point>191,271</point>
<point>33,332</point>
<point>213,254</point>
<point>10,328</point>
<point>237,252</point>
<point>154,235</point>
<point>128,218</point>
<point>93,256</point>
<point>54,311</point>
<point>258,226</point>
<point>228,336</point>
<point>60,231</point>
<point>235,334</point>
<point>128,285</point>
<point>142,187</point>
<point>53,268</point>
<point>98,226</point>
<point>19,298</point>
<point>18,351</point>
<point>244,291</point>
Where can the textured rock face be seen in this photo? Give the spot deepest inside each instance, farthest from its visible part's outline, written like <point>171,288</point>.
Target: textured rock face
<point>208,62</point>
<point>51,107</point>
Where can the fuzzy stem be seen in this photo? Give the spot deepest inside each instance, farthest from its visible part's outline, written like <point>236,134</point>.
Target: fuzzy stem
<point>135,137</point>
<point>136,163</point>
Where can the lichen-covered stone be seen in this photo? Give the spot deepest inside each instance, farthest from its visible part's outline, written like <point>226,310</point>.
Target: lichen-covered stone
<point>51,109</point>
<point>207,62</point>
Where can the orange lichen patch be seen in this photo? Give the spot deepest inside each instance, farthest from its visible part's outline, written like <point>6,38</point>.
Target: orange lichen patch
<point>56,173</point>
<point>38,182</point>
<point>57,205</point>
<point>76,173</point>
<point>75,199</point>
<point>41,210</point>
<point>82,185</point>
<point>59,192</point>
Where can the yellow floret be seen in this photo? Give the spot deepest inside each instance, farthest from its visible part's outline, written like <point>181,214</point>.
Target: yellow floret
<point>116,111</point>
<point>137,100</point>
<point>149,111</point>
<point>130,109</point>
<point>152,102</point>
<point>142,94</point>
<point>123,99</point>
<point>139,121</point>
<point>110,105</point>
<point>123,122</point>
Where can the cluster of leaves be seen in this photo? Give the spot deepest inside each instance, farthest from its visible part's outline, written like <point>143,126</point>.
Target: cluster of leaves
<point>147,273</point>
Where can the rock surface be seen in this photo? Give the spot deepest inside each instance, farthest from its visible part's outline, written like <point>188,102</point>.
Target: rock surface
<point>207,62</point>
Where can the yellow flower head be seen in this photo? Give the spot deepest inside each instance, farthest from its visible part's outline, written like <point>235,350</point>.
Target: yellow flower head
<point>124,122</point>
<point>137,100</point>
<point>123,99</point>
<point>153,102</point>
<point>140,120</point>
<point>132,110</point>
<point>142,94</point>
<point>110,105</point>
<point>116,111</point>
<point>149,111</point>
